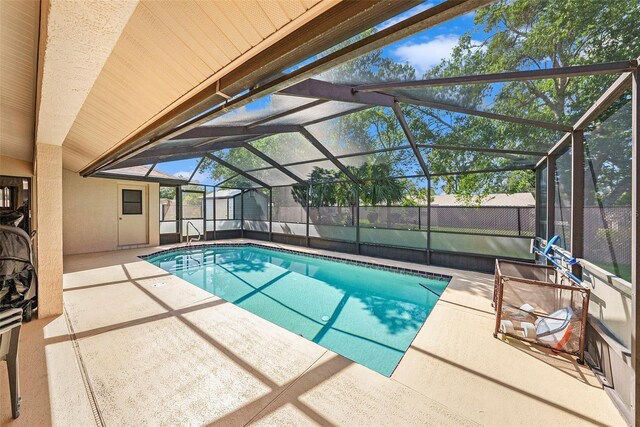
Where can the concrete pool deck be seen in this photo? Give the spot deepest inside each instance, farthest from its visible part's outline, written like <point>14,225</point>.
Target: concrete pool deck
<point>138,346</point>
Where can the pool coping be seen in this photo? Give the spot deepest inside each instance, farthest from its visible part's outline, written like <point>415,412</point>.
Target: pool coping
<point>393,269</point>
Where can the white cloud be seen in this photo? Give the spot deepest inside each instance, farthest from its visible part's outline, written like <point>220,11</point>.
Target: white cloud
<point>408,14</point>
<point>427,54</point>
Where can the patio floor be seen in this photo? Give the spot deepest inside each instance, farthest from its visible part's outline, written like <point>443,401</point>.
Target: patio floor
<point>129,353</point>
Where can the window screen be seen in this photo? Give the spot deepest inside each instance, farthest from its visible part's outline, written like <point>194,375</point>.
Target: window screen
<point>131,202</point>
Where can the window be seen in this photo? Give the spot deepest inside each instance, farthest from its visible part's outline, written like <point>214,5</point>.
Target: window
<point>131,202</point>
<point>5,197</point>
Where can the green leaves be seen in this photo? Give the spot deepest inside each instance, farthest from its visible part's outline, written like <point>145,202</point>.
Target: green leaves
<point>509,35</point>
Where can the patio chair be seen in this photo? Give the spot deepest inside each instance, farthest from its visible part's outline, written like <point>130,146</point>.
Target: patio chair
<point>10,323</point>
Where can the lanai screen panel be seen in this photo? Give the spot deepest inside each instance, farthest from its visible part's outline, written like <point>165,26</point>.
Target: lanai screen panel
<point>179,143</point>
<point>519,99</point>
<point>562,220</point>
<point>607,190</point>
<point>397,216</point>
<point>410,62</point>
<point>259,110</point>
<point>371,129</point>
<point>376,127</point>
<point>541,202</point>
<point>396,163</point>
<point>255,205</point>
<point>243,160</point>
<point>272,177</point>
<point>467,225</point>
<point>180,169</point>
<point>434,126</point>
<point>137,171</point>
<point>289,210</point>
<point>315,171</point>
<point>332,211</point>
<point>217,173</point>
<point>445,161</point>
<point>316,113</point>
<point>285,148</point>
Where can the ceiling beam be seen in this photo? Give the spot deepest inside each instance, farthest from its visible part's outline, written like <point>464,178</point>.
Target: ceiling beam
<point>225,180</point>
<point>407,131</point>
<point>510,76</point>
<point>486,114</point>
<point>329,156</point>
<point>200,110</point>
<point>483,149</point>
<point>319,89</point>
<point>236,170</point>
<point>530,166</point>
<point>273,163</point>
<point>75,41</point>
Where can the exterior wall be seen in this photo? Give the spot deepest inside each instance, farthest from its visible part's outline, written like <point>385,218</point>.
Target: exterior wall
<point>609,333</point>
<point>15,167</point>
<point>610,301</point>
<point>91,213</point>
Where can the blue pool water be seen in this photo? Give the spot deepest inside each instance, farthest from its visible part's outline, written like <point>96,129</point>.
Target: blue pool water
<point>365,314</point>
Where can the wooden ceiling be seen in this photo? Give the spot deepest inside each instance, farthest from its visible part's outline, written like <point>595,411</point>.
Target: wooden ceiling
<point>19,21</point>
<point>167,51</point>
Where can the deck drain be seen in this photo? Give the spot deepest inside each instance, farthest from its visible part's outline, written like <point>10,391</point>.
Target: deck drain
<point>158,285</point>
<point>325,318</point>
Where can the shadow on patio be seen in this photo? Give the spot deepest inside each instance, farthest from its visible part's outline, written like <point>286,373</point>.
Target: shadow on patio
<point>139,346</point>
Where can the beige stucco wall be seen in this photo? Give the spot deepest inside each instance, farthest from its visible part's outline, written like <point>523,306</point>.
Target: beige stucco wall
<point>611,300</point>
<point>48,240</point>
<point>91,213</point>
<point>15,167</point>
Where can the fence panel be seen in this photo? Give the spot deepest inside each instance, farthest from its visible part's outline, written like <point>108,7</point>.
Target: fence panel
<point>493,220</point>
<point>402,217</point>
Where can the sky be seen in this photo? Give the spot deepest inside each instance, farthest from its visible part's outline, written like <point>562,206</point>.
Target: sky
<point>423,50</point>
<point>428,48</point>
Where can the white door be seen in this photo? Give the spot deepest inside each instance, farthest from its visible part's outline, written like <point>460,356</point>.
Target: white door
<point>132,215</point>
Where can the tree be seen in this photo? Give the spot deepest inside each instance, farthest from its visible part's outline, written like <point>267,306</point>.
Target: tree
<point>514,35</point>
<point>378,186</point>
<point>168,193</point>
<point>526,34</point>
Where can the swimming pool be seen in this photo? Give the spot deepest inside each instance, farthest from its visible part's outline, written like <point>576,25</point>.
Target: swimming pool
<point>369,315</point>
